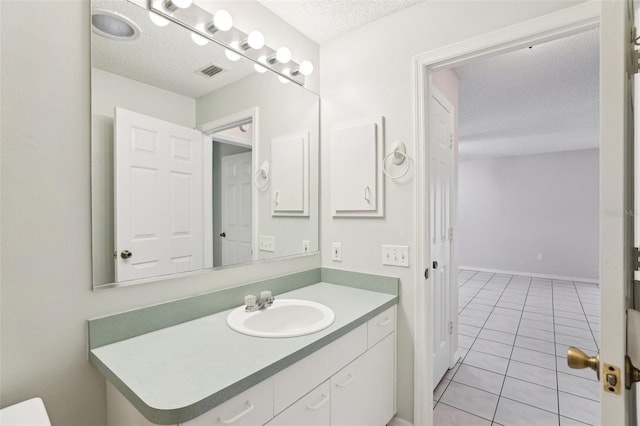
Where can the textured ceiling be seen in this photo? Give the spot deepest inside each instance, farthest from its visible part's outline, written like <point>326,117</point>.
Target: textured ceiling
<point>536,100</point>
<point>164,57</point>
<point>321,20</point>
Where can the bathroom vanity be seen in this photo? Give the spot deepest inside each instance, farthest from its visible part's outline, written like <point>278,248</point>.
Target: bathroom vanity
<point>201,372</point>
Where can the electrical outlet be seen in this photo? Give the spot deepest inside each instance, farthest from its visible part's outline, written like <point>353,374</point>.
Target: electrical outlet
<point>395,255</point>
<point>540,257</point>
<point>306,246</point>
<point>336,252</point>
<point>267,243</point>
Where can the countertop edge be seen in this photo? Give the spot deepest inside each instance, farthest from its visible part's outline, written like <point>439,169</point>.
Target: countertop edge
<point>183,414</point>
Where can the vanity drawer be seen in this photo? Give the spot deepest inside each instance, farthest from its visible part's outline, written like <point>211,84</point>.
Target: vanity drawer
<point>313,409</point>
<point>252,407</point>
<point>381,325</point>
<point>314,369</point>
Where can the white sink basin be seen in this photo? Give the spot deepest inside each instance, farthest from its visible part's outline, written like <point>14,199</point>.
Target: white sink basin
<point>285,318</point>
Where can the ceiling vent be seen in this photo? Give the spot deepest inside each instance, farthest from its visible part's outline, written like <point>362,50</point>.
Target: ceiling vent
<point>209,71</point>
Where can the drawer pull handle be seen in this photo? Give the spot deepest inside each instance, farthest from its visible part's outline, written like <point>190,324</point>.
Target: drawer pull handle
<point>323,401</point>
<point>237,416</point>
<point>347,383</point>
<point>385,322</point>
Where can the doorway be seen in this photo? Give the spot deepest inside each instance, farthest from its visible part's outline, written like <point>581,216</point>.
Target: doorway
<point>528,286</point>
<point>537,31</point>
<point>234,221</point>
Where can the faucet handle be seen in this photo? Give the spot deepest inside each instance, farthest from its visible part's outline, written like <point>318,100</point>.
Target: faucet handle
<point>250,301</point>
<point>266,294</point>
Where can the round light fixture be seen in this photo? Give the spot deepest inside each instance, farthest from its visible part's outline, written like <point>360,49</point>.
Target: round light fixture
<point>222,20</point>
<point>114,25</point>
<point>197,38</point>
<point>283,80</point>
<point>305,68</point>
<point>259,68</point>
<point>230,54</point>
<point>255,40</point>
<point>158,20</point>
<point>283,55</point>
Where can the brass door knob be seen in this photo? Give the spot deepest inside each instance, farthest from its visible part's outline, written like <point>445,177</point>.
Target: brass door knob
<point>578,359</point>
<point>632,374</point>
<point>125,254</point>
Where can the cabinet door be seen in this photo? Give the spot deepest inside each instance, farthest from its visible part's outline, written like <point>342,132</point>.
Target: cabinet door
<point>251,407</point>
<point>356,175</point>
<point>313,409</point>
<point>362,393</point>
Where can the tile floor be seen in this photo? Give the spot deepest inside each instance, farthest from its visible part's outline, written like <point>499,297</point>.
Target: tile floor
<point>514,332</point>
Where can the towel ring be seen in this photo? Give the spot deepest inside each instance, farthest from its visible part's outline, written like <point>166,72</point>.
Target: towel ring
<point>262,172</point>
<point>399,155</point>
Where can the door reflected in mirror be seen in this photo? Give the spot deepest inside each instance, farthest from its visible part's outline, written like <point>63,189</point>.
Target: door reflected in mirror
<point>198,161</point>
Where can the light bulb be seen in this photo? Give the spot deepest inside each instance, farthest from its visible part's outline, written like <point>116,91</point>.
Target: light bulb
<point>305,68</point>
<point>230,54</point>
<point>182,4</point>
<point>222,20</point>
<point>197,38</point>
<point>255,40</point>
<point>283,80</point>
<point>259,68</point>
<point>158,20</point>
<point>283,55</point>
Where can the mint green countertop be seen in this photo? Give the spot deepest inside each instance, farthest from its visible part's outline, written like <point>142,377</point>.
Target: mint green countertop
<point>180,372</point>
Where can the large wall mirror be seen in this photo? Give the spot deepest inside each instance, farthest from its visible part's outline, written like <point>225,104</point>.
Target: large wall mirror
<point>200,158</point>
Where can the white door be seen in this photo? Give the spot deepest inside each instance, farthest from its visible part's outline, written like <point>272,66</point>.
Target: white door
<point>159,197</point>
<point>236,208</point>
<point>616,203</point>
<point>440,149</point>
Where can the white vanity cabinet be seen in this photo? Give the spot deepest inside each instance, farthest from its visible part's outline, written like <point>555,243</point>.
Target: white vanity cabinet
<point>362,393</point>
<point>350,381</point>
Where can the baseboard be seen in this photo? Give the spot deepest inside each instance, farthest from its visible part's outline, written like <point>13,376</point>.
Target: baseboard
<point>397,421</point>
<point>533,274</point>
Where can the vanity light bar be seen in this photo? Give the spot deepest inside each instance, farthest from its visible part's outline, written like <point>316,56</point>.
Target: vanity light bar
<point>198,20</point>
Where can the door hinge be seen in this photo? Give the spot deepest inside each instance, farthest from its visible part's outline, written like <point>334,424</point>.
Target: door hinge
<point>635,58</point>
<point>450,234</point>
<point>451,141</point>
<point>450,327</point>
<point>635,259</point>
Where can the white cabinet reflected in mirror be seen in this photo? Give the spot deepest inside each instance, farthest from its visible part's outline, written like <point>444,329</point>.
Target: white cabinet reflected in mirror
<point>198,161</point>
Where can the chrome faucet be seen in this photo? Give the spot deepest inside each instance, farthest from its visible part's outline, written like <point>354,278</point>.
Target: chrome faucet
<point>253,303</point>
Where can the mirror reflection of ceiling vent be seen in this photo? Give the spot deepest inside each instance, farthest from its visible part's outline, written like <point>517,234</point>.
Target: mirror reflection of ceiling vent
<point>209,71</point>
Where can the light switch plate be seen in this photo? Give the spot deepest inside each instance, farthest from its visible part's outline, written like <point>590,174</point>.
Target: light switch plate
<point>395,255</point>
<point>336,252</point>
<point>306,246</point>
<point>267,243</point>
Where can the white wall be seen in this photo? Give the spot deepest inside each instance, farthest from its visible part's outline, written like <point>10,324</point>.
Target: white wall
<point>45,211</point>
<point>514,208</point>
<point>368,72</point>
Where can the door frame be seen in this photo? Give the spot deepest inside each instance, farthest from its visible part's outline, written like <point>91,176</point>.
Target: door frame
<point>224,123</point>
<point>556,25</point>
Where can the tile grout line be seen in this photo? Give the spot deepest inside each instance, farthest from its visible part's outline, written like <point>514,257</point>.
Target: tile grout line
<point>461,358</point>
<point>513,346</point>
<point>596,341</point>
<point>558,295</point>
<point>555,348</point>
<point>474,338</point>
